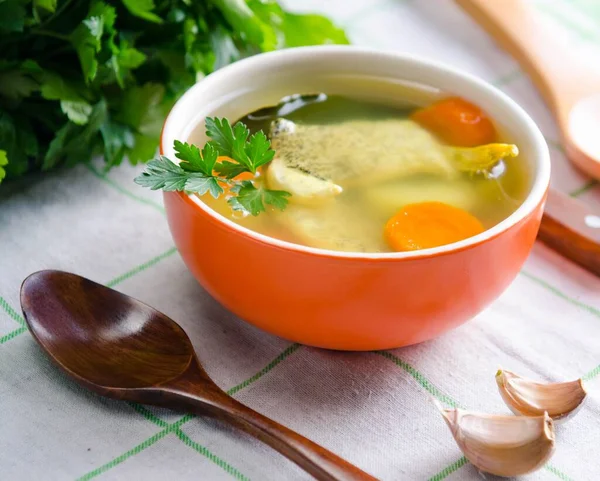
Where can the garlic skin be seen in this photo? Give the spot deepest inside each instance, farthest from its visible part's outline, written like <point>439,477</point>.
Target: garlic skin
<point>502,445</point>
<point>528,398</point>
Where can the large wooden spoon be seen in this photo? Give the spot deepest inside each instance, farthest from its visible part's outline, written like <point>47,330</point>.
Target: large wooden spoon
<point>122,348</point>
<point>572,90</point>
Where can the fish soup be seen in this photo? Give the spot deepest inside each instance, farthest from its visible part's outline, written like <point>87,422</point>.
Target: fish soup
<point>366,176</point>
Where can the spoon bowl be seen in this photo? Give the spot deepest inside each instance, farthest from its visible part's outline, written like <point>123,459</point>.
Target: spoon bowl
<point>584,126</point>
<point>120,347</point>
<point>100,336</point>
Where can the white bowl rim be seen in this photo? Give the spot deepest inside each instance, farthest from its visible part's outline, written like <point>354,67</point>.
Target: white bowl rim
<point>269,60</point>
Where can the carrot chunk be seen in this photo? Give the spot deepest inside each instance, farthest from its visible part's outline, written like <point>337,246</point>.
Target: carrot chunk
<point>429,224</point>
<point>457,122</point>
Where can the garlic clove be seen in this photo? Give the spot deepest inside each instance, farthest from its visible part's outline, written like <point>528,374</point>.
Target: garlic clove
<point>502,445</point>
<point>529,398</point>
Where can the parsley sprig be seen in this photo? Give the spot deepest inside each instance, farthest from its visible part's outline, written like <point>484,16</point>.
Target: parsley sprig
<point>201,171</point>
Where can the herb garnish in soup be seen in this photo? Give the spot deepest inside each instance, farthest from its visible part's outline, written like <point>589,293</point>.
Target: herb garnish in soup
<point>338,173</point>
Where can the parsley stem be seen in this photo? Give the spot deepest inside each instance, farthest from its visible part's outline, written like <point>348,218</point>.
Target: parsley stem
<point>56,13</point>
<point>50,33</point>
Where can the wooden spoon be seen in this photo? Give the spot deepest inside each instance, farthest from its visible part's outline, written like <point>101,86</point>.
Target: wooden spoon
<point>572,90</point>
<point>119,347</point>
<point>570,87</point>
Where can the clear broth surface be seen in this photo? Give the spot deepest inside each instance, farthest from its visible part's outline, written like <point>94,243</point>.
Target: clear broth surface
<point>490,198</point>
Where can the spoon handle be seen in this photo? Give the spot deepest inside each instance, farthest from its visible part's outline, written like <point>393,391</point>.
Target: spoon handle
<point>312,458</point>
<point>571,228</point>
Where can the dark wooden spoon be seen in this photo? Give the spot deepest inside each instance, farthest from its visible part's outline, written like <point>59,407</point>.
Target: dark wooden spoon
<point>122,348</point>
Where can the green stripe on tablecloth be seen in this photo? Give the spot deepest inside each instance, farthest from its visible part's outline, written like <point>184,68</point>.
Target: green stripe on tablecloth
<point>119,459</point>
<point>592,310</point>
<point>420,378</point>
<point>584,188</point>
<point>557,472</point>
<point>12,334</point>
<point>448,470</point>
<point>11,312</point>
<point>125,191</point>
<point>212,457</point>
<point>177,424</point>
<point>290,350</point>
<point>564,19</point>
<point>141,267</point>
<point>508,78</point>
<point>151,441</point>
<point>556,145</point>
<point>111,283</point>
<point>148,414</point>
<point>451,468</point>
<point>591,374</point>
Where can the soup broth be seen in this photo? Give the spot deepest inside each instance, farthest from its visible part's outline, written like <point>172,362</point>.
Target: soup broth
<point>378,161</point>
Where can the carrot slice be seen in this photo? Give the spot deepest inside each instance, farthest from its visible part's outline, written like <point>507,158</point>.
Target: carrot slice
<point>429,224</point>
<point>457,122</point>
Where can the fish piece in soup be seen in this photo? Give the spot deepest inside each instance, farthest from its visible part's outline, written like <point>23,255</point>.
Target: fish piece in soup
<point>304,188</point>
<point>339,226</point>
<point>360,152</point>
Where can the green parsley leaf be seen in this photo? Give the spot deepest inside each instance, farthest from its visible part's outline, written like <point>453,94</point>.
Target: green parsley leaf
<point>48,5</point>
<point>293,30</point>
<point>130,58</point>
<point>252,199</point>
<point>163,174</point>
<point>3,162</point>
<point>229,170</point>
<point>242,19</point>
<point>18,140</point>
<point>259,150</point>
<point>12,16</point>
<point>234,143</point>
<point>223,45</point>
<point>142,9</point>
<point>55,87</point>
<point>16,84</point>
<point>144,148</point>
<point>78,112</point>
<point>300,30</point>
<point>221,133</point>
<point>238,150</point>
<point>73,143</point>
<point>147,118</point>
<point>193,161</point>
<point>276,198</point>
<point>201,185</point>
<point>118,138</point>
<point>87,37</point>
<point>57,149</point>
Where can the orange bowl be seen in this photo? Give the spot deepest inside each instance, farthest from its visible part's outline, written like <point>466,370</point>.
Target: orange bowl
<point>339,300</point>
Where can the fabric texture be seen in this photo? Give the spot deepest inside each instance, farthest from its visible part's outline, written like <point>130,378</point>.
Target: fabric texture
<point>371,408</point>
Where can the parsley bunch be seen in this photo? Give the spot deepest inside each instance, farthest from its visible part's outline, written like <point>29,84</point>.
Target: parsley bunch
<point>86,77</point>
<point>200,171</point>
